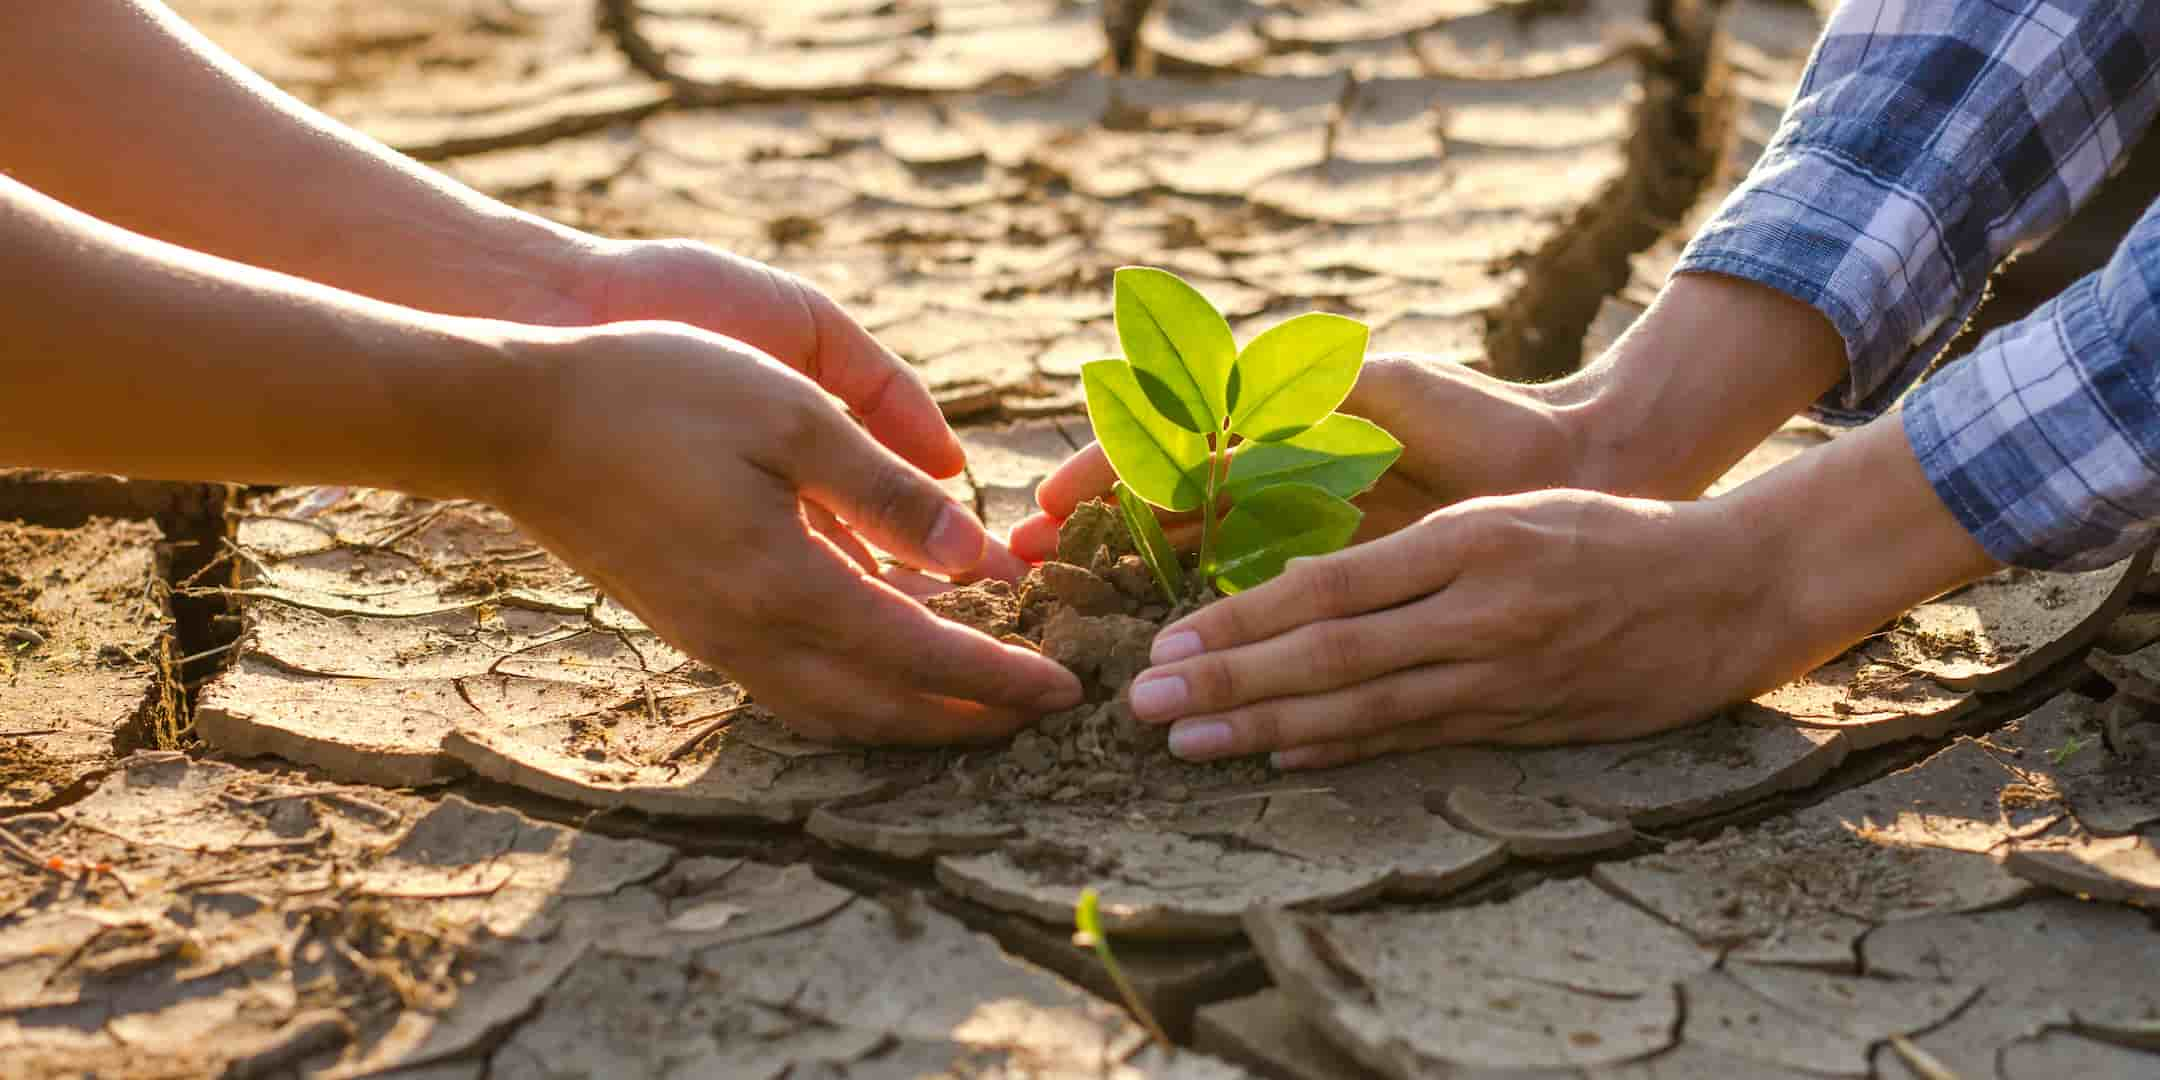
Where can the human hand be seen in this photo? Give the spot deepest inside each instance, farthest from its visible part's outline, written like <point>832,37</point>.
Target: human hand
<point>1464,434</point>
<point>1559,616</point>
<point>785,317</point>
<point>688,475</point>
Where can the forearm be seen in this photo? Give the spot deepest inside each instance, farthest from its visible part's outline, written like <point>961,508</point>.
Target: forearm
<point>1928,142</point>
<point>1843,539</point>
<point>126,355</point>
<point>1714,366</point>
<point>121,110</point>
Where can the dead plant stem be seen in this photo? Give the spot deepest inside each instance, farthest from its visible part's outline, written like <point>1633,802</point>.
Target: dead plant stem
<point>719,720</point>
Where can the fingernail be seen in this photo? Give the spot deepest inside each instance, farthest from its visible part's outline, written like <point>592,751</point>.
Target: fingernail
<point>1161,694</point>
<point>1287,760</point>
<point>1199,740</point>
<point>955,543</point>
<point>1175,646</point>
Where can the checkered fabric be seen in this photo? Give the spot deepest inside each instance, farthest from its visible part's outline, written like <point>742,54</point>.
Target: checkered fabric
<point>1928,141</point>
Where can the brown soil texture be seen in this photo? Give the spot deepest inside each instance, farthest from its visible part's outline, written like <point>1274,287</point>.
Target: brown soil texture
<point>84,649</point>
<point>1095,609</point>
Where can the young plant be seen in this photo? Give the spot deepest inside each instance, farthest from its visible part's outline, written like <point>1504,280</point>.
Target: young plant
<point>1188,419</point>
<point>2071,747</point>
<point>1088,934</point>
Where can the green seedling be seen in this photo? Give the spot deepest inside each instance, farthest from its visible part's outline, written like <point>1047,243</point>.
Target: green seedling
<point>1188,419</point>
<point>2070,748</point>
<point>1088,934</point>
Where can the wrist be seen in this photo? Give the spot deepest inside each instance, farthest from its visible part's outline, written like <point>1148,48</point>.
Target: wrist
<point>474,403</point>
<point>1711,369</point>
<point>1849,536</point>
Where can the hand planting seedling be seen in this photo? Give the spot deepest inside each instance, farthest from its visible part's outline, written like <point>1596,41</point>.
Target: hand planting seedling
<point>1188,419</point>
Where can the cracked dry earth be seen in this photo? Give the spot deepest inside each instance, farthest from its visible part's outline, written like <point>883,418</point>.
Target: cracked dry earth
<point>331,781</point>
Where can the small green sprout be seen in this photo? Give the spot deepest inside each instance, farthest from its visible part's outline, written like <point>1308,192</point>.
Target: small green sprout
<point>1187,418</point>
<point>1088,934</point>
<point>2070,748</point>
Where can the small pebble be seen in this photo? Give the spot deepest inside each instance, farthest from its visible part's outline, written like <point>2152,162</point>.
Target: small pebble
<point>23,635</point>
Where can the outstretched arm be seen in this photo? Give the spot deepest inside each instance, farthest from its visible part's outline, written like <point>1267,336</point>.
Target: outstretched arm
<point>685,473</point>
<point>120,109</point>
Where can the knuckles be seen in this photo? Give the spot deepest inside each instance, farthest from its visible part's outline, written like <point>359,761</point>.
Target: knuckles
<point>1337,650</point>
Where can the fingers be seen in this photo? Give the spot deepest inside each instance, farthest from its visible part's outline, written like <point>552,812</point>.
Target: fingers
<point>1401,740</point>
<point>831,529</point>
<point>879,387</point>
<point>1384,573</point>
<point>1431,697</point>
<point>1000,562</point>
<point>1497,728</point>
<point>1318,657</point>
<point>1388,389</point>
<point>1035,539</point>
<point>823,697</point>
<point>890,502</point>
<point>915,584</point>
<point>822,605</point>
<point>1083,476</point>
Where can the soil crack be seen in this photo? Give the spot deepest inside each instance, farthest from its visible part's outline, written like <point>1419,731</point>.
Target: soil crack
<point>1680,130</point>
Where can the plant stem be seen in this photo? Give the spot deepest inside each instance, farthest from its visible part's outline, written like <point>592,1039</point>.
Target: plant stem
<point>1207,510</point>
<point>1133,1004</point>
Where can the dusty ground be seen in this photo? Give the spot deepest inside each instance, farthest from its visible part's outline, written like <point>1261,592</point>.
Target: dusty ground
<point>383,789</point>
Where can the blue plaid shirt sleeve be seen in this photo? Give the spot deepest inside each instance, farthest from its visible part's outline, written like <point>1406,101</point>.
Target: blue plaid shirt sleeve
<point>1929,140</point>
<point>2045,442</point>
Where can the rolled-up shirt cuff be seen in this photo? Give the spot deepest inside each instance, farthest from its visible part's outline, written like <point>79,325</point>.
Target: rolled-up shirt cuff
<point>2032,441</point>
<point>1817,226</point>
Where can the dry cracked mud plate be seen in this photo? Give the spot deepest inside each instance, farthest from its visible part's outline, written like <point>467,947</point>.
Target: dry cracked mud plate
<point>438,77</point>
<point>967,185</point>
<point>404,642</point>
<point>1805,927</point>
<point>85,636</point>
<point>1573,978</point>
<point>207,916</point>
<point>1564,976</point>
<point>2049,965</point>
<point>1195,874</point>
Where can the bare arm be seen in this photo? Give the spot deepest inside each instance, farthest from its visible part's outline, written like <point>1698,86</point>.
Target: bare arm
<point>120,109</point>
<point>127,355</point>
<point>645,454</point>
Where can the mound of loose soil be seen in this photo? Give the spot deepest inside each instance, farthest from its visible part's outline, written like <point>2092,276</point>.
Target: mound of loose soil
<point>1095,609</point>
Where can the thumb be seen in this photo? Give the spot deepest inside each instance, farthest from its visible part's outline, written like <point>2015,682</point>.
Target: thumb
<point>893,504</point>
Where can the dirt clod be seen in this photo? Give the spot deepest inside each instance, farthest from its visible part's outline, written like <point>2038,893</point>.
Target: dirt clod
<point>1094,528</point>
<point>1082,591</point>
<point>1096,610</point>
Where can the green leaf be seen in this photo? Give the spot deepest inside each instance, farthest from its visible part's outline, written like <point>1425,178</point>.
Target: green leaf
<point>1161,461</point>
<point>1276,524</point>
<point>1155,549</point>
<point>1180,347</point>
<point>1295,374</point>
<point>1342,454</point>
